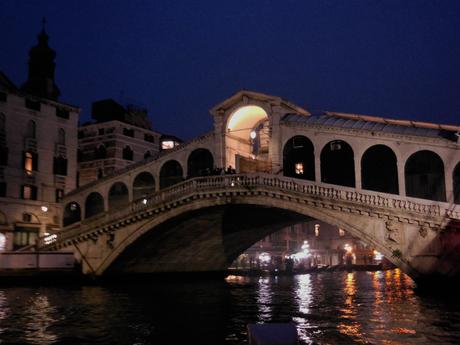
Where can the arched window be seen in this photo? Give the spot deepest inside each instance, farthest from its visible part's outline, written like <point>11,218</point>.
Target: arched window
<point>101,152</point>
<point>337,164</point>
<point>3,219</point>
<point>61,137</point>
<point>118,195</point>
<point>94,204</point>
<point>379,171</point>
<point>31,130</point>
<point>128,153</point>
<point>456,179</point>
<point>200,162</point>
<point>2,123</point>
<point>143,184</point>
<point>60,166</point>
<point>424,175</point>
<point>299,158</point>
<point>170,174</point>
<point>72,213</point>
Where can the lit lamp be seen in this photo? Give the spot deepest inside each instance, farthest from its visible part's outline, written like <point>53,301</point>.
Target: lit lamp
<point>253,134</point>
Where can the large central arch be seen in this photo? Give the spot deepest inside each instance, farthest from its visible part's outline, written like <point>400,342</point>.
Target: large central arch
<point>182,222</point>
<point>247,138</point>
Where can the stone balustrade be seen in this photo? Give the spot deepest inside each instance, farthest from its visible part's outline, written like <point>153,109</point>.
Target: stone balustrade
<point>257,183</point>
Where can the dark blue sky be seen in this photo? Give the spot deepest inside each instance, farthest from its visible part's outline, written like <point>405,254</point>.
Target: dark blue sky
<point>389,58</point>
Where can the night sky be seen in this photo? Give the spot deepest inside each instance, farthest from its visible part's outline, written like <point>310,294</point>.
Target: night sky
<point>397,59</point>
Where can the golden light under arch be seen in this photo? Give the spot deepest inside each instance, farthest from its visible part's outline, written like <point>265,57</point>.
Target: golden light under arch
<point>243,120</point>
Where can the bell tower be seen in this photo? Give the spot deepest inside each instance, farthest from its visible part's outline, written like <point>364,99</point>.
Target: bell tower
<point>40,80</point>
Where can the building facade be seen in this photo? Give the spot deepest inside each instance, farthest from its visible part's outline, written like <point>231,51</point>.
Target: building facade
<point>38,151</point>
<point>307,245</point>
<point>119,136</point>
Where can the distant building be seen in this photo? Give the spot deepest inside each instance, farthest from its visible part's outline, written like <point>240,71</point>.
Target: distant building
<point>38,151</point>
<point>326,246</point>
<point>119,137</point>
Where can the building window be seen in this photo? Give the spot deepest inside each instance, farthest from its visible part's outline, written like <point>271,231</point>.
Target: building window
<point>100,173</point>
<point>101,131</point>
<point>61,137</point>
<point>101,152</point>
<point>62,113</point>
<point>26,217</point>
<point>59,194</point>
<point>317,226</point>
<point>147,154</point>
<point>3,156</point>
<point>81,134</point>
<point>128,153</point>
<point>33,105</point>
<point>29,192</point>
<point>31,130</point>
<point>128,132</point>
<point>2,189</point>
<point>2,124</point>
<point>299,168</point>
<point>60,166</point>
<point>167,144</point>
<point>24,236</point>
<point>341,232</point>
<point>30,162</point>
<point>3,96</point>
<point>149,138</point>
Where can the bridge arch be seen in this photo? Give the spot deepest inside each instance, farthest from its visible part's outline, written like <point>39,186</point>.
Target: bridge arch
<point>379,169</point>
<point>171,173</point>
<point>363,229</point>
<point>424,176</point>
<point>200,162</point>
<point>247,134</point>
<point>72,213</point>
<point>118,195</point>
<point>338,164</point>
<point>299,158</point>
<point>143,184</point>
<point>94,204</point>
<point>456,181</point>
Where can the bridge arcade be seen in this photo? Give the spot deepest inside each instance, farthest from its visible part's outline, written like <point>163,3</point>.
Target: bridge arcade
<point>404,166</point>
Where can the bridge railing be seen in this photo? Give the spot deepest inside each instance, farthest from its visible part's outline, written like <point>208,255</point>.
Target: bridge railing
<point>271,183</point>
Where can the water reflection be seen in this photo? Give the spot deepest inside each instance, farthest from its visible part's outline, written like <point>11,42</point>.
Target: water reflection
<point>39,316</point>
<point>349,325</point>
<point>4,310</point>
<point>264,299</point>
<point>303,292</point>
<point>328,308</point>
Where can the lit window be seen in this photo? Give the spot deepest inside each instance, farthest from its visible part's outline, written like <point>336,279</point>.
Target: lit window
<point>341,232</point>
<point>28,163</point>
<point>317,230</point>
<point>167,145</point>
<point>29,192</point>
<point>299,168</point>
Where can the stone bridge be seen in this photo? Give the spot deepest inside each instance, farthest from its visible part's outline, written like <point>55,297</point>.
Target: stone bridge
<point>394,184</point>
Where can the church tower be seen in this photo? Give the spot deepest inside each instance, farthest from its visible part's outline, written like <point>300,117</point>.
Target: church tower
<point>40,81</point>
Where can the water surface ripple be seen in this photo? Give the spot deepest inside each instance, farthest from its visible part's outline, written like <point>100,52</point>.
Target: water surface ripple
<point>327,308</point>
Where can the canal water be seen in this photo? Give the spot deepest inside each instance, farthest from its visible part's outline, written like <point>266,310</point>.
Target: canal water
<point>327,308</point>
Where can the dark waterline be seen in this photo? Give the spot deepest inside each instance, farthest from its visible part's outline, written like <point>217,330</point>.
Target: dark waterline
<point>328,308</point>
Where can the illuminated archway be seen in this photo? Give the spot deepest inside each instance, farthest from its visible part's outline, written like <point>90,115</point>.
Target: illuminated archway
<point>247,138</point>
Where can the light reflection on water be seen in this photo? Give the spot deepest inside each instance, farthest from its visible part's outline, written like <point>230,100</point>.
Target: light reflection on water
<point>264,299</point>
<point>303,291</point>
<point>38,317</point>
<point>327,308</point>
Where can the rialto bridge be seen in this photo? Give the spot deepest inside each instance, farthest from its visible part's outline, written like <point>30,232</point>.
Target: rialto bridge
<point>394,184</point>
